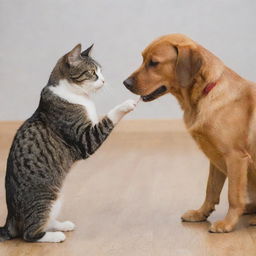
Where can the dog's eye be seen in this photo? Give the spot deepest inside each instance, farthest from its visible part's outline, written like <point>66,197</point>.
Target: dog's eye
<point>153,63</point>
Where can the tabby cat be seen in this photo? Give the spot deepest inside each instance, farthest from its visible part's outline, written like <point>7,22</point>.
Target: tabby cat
<point>64,128</point>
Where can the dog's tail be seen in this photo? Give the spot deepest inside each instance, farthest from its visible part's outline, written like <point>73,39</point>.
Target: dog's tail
<point>4,234</point>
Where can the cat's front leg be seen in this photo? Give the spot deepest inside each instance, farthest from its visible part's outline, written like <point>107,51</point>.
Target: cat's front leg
<point>90,137</point>
<point>118,112</point>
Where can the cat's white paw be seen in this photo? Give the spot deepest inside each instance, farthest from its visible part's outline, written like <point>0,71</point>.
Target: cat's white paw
<point>119,111</point>
<point>52,237</point>
<point>127,106</point>
<point>66,226</point>
<point>61,226</point>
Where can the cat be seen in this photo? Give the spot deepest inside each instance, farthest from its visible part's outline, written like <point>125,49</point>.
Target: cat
<point>64,128</point>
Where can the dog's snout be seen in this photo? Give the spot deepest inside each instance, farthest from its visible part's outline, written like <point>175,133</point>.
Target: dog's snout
<point>129,83</point>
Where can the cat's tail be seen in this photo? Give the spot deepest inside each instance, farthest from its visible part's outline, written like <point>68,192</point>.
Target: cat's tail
<point>4,234</point>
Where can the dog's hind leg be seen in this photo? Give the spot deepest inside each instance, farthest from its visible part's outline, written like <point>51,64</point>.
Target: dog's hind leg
<point>237,170</point>
<point>250,207</point>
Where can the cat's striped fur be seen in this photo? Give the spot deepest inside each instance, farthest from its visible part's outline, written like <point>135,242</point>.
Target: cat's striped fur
<point>60,132</point>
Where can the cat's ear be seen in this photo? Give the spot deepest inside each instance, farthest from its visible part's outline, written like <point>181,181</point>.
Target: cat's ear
<point>86,52</point>
<point>75,55</point>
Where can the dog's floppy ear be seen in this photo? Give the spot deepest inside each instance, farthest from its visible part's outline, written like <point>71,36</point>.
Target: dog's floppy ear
<point>188,64</point>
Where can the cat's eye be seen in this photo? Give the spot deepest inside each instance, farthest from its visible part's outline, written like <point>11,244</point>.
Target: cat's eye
<point>153,63</point>
<point>89,72</point>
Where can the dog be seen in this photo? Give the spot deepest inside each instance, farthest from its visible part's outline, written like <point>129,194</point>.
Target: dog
<point>219,113</point>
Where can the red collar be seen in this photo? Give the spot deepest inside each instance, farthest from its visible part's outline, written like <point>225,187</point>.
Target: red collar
<point>208,87</point>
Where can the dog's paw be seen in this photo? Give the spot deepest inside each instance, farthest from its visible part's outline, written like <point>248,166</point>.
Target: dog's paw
<point>193,216</point>
<point>221,227</point>
<point>127,106</point>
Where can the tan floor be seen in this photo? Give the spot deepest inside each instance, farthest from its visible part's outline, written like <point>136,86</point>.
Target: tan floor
<point>127,199</point>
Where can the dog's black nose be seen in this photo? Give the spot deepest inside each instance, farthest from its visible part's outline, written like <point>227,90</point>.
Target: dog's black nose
<point>129,82</point>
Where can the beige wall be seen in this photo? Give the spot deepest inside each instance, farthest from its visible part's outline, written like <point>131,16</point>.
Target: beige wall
<point>35,33</point>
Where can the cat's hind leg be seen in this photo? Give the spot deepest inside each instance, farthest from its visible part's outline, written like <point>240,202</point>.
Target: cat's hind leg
<point>56,225</point>
<point>35,223</point>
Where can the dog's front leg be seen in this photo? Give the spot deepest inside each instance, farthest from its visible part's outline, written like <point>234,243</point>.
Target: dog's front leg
<point>215,184</point>
<point>237,165</point>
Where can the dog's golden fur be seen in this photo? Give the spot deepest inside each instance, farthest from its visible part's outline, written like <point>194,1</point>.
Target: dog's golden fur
<point>222,122</point>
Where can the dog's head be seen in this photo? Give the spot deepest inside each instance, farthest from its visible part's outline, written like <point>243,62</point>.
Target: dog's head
<point>169,63</point>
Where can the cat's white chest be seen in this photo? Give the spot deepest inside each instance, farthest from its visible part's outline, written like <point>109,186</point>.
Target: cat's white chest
<point>66,92</point>
<point>91,110</point>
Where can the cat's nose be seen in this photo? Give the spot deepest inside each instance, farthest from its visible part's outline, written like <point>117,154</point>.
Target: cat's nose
<point>129,82</point>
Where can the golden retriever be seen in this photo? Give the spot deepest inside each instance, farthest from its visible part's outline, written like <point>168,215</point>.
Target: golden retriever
<point>219,113</point>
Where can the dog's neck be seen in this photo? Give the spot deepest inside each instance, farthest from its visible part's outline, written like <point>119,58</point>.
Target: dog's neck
<point>190,97</point>
<point>201,89</point>
<point>201,92</point>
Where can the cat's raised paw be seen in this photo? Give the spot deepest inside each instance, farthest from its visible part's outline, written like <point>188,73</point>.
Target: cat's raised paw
<point>127,106</point>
